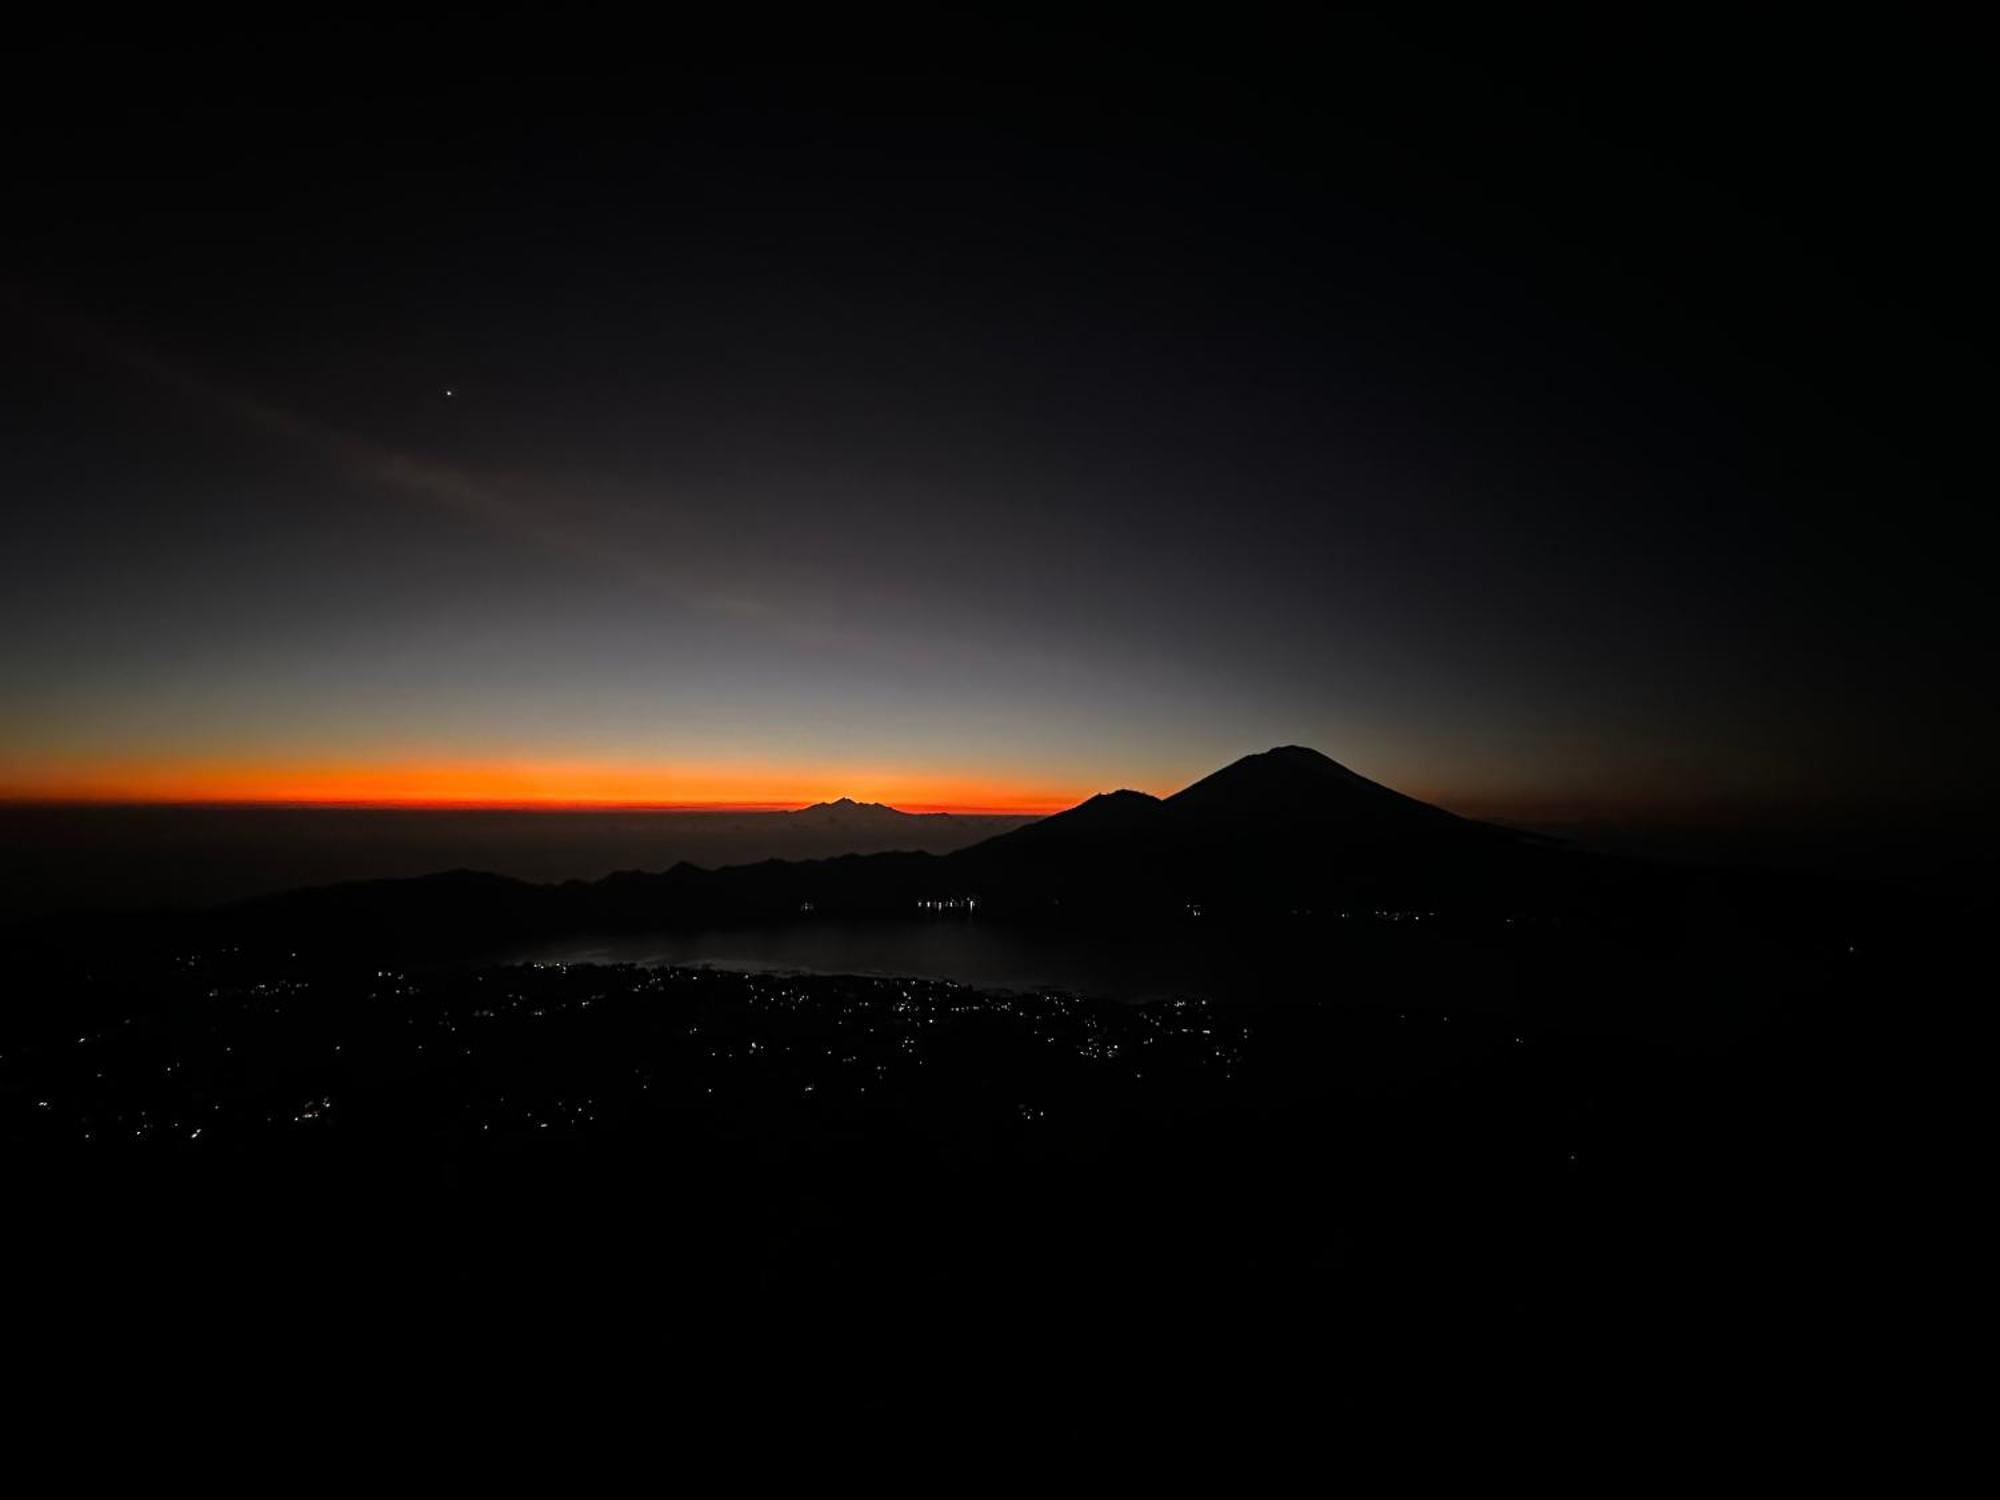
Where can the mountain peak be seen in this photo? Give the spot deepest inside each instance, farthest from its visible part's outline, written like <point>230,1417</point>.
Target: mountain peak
<point>849,805</point>
<point>1294,781</point>
<point>1300,754</point>
<point>1121,804</point>
<point>1119,812</point>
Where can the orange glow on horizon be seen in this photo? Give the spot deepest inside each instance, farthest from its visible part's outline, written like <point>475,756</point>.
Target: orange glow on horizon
<point>526,785</point>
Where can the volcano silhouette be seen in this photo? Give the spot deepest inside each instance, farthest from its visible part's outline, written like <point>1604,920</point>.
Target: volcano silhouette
<point>1287,825</point>
<point>1295,783</point>
<point>1287,831</point>
<point>1291,793</point>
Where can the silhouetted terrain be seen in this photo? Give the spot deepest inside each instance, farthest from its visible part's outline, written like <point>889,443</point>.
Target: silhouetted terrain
<point>85,858</point>
<point>1562,1128</point>
<point>1288,835</point>
<point>847,1190</point>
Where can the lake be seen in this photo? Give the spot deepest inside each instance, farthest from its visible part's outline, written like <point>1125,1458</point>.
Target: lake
<point>1215,961</point>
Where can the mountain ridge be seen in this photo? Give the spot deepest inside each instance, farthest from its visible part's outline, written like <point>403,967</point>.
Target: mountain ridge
<point>1286,830</point>
<point>1295,781</point>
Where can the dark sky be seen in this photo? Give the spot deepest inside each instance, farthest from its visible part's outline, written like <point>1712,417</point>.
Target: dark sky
<point>1535,416</point>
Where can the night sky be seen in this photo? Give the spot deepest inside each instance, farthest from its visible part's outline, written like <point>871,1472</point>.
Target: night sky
<point>1537,417</point>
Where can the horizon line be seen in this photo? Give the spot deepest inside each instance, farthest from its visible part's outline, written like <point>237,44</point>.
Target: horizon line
<point>528,783</point>
<point>522,804</point>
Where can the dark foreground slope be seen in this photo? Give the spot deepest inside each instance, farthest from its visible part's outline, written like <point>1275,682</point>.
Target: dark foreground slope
<point>895,1199</point>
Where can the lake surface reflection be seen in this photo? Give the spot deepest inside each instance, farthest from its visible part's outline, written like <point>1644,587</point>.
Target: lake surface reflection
<point>1214,962</point>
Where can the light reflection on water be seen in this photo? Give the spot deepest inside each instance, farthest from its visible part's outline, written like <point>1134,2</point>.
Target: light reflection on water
<point>986,955</point>
<point>1193,960</point>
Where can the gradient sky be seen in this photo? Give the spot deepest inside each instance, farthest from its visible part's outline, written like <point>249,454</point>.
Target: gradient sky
<point>1525,417</point>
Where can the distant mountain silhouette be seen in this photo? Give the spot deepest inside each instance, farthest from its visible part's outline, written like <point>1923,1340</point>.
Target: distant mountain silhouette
<point>847,805</point>
<point>1297,784</point>
<point>1288,831</point>
<point>845,810</point>
<point>1291,785</point>
<point>1283,829</point>
<point>1106,813</point>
